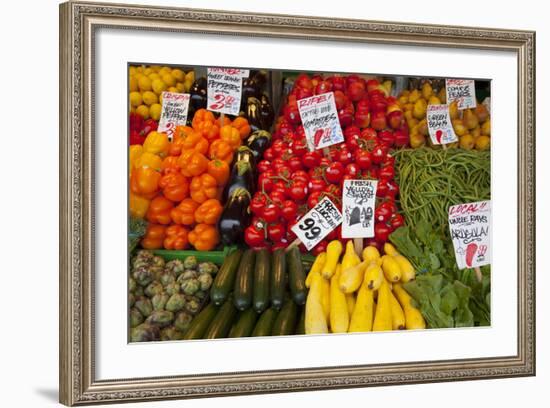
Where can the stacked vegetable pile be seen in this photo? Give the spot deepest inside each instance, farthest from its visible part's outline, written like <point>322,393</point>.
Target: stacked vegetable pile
<point>164,296</point>
<point>293,180</point>
<point>472,126</point>
<point>177,186</point>
<point>342,294</point>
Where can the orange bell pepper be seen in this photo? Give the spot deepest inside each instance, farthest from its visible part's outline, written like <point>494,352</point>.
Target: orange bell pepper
<point>154,236</point>
<point>149,160</point>
<point>138,205</point>
<point>176,237</point>
<point>174,185</point>
<point>156,143</point>
<point>169,163</point>
<point>202,115</point>
<point>209,130</point>
<point>209,212</point>
<point>219,170</point>
<point>192,163</point>
<point>221,150</point>
<point>204,237</point>
<point>203,187</point>
<point>144,181</point>
<point>224,121</point>
<point>159,210</point>
<point>231,136</point>
<point>184,213</point>
<point>188,139</point>
<point>241,124</point>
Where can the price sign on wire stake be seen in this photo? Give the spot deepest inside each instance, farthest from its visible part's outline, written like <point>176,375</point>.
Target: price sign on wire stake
<point>320,120</point>
<point>317,223</point>
<point>174,112</point>
<point>440,127</point>
<point>469,226</point>
<point>224,89</point>
<point>358,199</point>
<point>463,91</point>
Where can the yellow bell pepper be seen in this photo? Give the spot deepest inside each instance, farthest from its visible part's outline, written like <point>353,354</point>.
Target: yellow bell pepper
<point>149,160</point>
<point>134,154</point>
<point>156,143</point>
<point>138,205</point>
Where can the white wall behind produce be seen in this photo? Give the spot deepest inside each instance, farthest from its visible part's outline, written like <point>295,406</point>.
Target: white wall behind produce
<point>29,202</point>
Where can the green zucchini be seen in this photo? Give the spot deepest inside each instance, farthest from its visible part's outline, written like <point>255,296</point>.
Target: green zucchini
<point>225,278</point>
<point>301,326</point>
<point>221,324</point>
<point>245,324</point>
<point>286,319</point>
<point>296,276</point>
<point>261,280</point>
<point>201,322</point>
<point>242,292</point>
<point>265,323</point>
<point>278,278</point>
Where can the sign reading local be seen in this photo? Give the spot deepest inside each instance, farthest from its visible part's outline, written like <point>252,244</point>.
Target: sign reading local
<point>317,223</point>
<point>358,200</point>
<point>470,228</point>
<point>224,89</point>
<point>320,120</point>
<point>440,126</point>
<point>463,91</point>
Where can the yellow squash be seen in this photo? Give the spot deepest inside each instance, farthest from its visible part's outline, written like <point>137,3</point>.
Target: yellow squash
<point>389,249</point>
<point>413,317</point>
<point>383,317</point>
<point>316,267</point>
<point>370,254</point>
<point>325,296</point>
<point>339,315</point>
<point>407,270</point>
<point>351,278</point>
<point>334,249</point>
<point>397,314</point>
<point>391,269</point>
<point>363,313</point>
<point>315,319</point>
<point>374,276</point>
<point>350,301</point>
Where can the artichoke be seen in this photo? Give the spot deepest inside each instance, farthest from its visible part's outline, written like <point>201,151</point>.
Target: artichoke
<point>175,303</point>
<point>132,284</point>
<point>144,306</point>
<point>208,267</point>
<point>182,321</point>
<point>153,289</point>
<point>170,333</point>
<point>167,277</point>
<point>136,318</point>
<point>190,262</point>
<point>158,261</point>
<point>161,318</point>
<point>159,301</point>
<point>186,275</point>
<point>172,288</point>
<point>143,276</point>
<point>190,286</point>
<point>192,304</point>
<point>175,266</point>
<point>145,332</point>
<point>142,258</point>
<point>157,271</point>
<point>131,299</point>
<point>139,291</point>
<point>201,294</point>
<point>205,281</point>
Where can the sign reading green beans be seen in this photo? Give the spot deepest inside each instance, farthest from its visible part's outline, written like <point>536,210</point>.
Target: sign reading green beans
<point>432,180</point>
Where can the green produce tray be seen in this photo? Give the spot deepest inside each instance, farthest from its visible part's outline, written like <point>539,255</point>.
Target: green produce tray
<point>202,256</point>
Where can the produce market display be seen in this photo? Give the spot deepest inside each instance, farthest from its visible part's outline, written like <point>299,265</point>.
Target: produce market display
<point>275,203</point>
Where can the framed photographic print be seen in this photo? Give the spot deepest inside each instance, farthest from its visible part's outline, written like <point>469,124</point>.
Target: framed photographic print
<point>256,203</point>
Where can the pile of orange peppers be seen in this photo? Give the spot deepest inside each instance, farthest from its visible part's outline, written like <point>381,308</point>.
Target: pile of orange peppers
<point>177,185</point>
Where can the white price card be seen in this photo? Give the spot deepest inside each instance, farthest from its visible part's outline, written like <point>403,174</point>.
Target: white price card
<point>174,112</point>
<point>320,120</point>
<point>224,89</point>
<point>440,126</point>
<point>317,223</point>
<point>469,225</point>
<point>463,91</point>
<point>358,200</point>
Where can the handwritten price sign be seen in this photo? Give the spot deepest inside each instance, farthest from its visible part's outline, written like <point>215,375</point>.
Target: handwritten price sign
<point>469,225</point>
<point>440,127</point>
<point>224,89</point>
<point>320,120</point>
<point>174,112</point>
<point>463,91</point>
<point>358,199</point>
<point>317,223</point>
